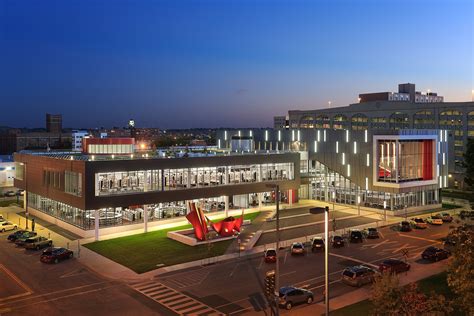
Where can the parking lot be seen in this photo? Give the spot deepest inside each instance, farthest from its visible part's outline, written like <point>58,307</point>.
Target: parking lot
<point>31,287</point>
<point>237,287</point>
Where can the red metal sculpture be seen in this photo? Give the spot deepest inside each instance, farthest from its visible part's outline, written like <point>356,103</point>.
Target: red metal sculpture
<point>225,228</point>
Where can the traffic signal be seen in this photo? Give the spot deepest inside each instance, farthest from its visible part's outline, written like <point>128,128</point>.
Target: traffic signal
<point>270,284</point>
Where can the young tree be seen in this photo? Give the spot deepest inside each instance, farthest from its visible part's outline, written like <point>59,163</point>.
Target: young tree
<point>386,295</point>
<point>469,162</point>
<point>461,268</point>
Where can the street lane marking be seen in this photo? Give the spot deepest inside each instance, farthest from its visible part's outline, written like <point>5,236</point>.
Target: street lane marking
<point>74,273</point>
<point>233,270</point>
<point>381,235</point>
<point>353,259</point>
<point>286,255</point>
<point>420,238</point>
<point>288,273</point>
<point>260,265</point>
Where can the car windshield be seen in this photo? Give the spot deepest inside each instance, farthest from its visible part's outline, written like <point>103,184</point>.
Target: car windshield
<point>48,253</point>
<point>318,241</point>
<point>271,253</point>
<point>337,238</point>
<point>435,217</point>
<point>348,273</point>
<point>418,220</point>
<point>30,240</point>
<point>356,234</point>
<point>372,230</point>
<point>297,246</point>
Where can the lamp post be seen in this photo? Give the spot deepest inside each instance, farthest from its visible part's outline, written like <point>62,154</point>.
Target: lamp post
<point>276,187</point>
<point>26,194</point>
<point>318,210</point>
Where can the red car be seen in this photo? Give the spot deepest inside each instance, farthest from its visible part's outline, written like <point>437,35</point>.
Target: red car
<point>270,255</point>
<point>394,266</point>
<point>56,254</point>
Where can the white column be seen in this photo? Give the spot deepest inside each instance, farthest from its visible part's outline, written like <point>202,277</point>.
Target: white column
<point>260,196</point>
<point>290,197</point>
<point>145,218</point>
<point>96,219</point>
<point>226,206</point>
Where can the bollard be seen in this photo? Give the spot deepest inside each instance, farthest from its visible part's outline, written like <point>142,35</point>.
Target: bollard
<point>78,249</point>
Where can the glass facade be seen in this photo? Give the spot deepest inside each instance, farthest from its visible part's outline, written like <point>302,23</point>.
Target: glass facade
<point>110,183</point>
<point>330,186</point>
<point>405,160</point>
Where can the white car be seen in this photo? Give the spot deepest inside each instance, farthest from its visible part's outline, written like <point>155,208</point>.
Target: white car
<point>2,219</point>
<point>434,220</point>
<point>4,226</point>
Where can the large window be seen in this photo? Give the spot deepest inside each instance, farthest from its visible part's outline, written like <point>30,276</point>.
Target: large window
<point>73,183</point>
<point>405,160</point>
<point>110,183</point>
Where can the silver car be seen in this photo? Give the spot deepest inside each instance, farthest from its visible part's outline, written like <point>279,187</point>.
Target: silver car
<point>290,296</point>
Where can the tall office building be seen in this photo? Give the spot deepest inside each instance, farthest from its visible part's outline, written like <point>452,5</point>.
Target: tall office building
<point>54,123</point>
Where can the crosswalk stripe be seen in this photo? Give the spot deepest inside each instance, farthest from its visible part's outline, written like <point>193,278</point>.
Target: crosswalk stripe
<point>173,300</point>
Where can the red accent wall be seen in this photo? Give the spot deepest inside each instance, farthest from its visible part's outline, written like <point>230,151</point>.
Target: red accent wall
<point>428,159</point>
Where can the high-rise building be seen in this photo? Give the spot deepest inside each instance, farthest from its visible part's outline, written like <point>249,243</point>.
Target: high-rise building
<point>54,123</point>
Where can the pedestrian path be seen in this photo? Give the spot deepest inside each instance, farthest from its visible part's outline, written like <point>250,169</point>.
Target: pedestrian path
<point>173,300</point>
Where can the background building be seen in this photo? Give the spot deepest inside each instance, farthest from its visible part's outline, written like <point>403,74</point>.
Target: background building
<point>378,112</point>
<point>54,123</point>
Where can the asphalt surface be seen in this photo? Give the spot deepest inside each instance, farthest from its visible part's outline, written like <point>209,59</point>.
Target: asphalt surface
<point>236,287</point>
<point>30,287</point>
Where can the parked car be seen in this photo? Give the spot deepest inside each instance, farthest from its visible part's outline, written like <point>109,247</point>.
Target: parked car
<point>435,254</point>
<point>394,266</point>
<point>356,236</point>
<point>270,255</point>
<point>434,220</point>
<point>37,243</point>
<point>405,226</point>
<point>358,275</point>
<point>372,233</point>
<point>337,241</point>
<point>445,217</point>
<point>20,234</point>
<point>20,192</point>
<point>419,223</point>
<point>290,296</point>
<point>56,254</point>
<point>297,248</point>
<point>466,214</point>
<point>2,219</point>
<point>20,241</point>
<point>4,226</point>
<point>9,193</point>
<point>317,244</point>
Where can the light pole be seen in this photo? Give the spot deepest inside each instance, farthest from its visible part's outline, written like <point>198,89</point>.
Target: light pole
<point>276,187</point>
<point>318,210</point>
<point>26,194</point>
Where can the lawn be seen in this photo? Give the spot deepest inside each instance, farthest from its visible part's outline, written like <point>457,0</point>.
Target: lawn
<point>436,283</point>
<point>143,252</point>
<point>447,206</point>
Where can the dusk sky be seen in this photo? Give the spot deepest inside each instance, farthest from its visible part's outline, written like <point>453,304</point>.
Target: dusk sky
<point>223,63</point>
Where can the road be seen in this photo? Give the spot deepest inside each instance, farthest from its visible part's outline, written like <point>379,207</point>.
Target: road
<point>29,287</point>
<point>235,288</point>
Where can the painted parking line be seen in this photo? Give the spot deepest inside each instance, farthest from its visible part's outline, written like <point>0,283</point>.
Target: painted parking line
<point>353,259</point>
<point>13,277</point>
<point>419,238</point>
<point>174,300</point>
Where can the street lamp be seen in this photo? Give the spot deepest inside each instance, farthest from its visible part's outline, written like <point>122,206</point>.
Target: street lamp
<point>318,210</point>
<point>276,188</point>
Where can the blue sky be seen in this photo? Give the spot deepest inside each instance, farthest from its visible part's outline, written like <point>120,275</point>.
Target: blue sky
<point>179,64</point>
